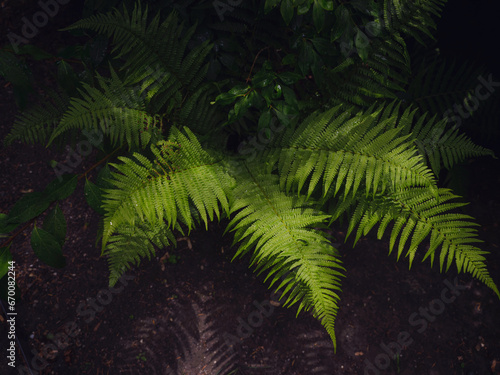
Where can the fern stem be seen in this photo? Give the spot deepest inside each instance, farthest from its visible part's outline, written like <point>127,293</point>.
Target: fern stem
<point>11,238</point>
<point>84,174</point>
<point>253,64</point>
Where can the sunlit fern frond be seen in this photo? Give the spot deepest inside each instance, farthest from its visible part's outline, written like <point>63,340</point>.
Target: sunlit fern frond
<point>278,230</point>
<point>163,192</point>
<point>419,214</point>
<point>348,150</point>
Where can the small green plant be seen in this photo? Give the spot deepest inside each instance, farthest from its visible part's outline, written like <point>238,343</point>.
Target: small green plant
<point>397,358</point>
<point>174,259</point>
<point>141,357</point>
<point>299,120</point>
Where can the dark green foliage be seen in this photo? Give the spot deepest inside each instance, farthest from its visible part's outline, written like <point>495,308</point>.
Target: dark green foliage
<point>337,124</point>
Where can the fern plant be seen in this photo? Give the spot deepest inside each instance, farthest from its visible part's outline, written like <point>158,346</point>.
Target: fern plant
<point>331,139</point>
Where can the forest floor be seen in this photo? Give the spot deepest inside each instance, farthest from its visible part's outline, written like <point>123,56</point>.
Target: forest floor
<point>200,313</point>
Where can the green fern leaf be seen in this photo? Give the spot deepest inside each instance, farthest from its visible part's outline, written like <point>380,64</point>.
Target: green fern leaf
<point>182,174</point>
<point>178,72</point>
<point>352,151</point>
<point>117,111</point>
<point>418,214</point>
<point>36,124</point>
<point>279,230</point>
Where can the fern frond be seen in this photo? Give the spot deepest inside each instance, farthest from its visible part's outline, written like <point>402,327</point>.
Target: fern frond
<point>279,230</point>
<point>182,175</point>
<point>418,214</point>
<point>130,243</point>
<point>135,38</point>
<point>197,113</point>
<point>439,85</point>
<point>437,144</point>
<point>447,146</point>
<point>386,71</point>
<point>116,110</point>
<point>349,150</point>
<point>414,18</point>
<point>35,125</point>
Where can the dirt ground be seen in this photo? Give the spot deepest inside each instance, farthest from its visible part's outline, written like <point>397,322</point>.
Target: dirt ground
<point>200,313</point>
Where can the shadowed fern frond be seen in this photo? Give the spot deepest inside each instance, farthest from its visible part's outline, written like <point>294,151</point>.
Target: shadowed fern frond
<point>386,71</point>
<point>115,110</point>
<point>439,85</point>
<point>136,42</point>
<point>413,18</point>
<point>37,124</point>
<point>131,243</point>
<point>444,146</point>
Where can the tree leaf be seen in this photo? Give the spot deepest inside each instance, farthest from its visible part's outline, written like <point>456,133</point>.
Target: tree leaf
<point>323,46</point>
<point>262,79</point>
<point>303,9</point>
<point>318,16</point>
<point>93,195</point>
<point>289,78</point>
<point>61,188</point>
<point>5,258</point>
<point>239,90</point>
<point>341,23</point>
<point>55,224</point>
<point>270,4</point>
<point>28,207</point>
<point>290,98</point>
<point>5,226</point>
<point>47,248</point>
<point>287,11</point>
<point>362,43</point>
<point>326,4</point>
<point>224,99</point>
<point>265,119</point>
